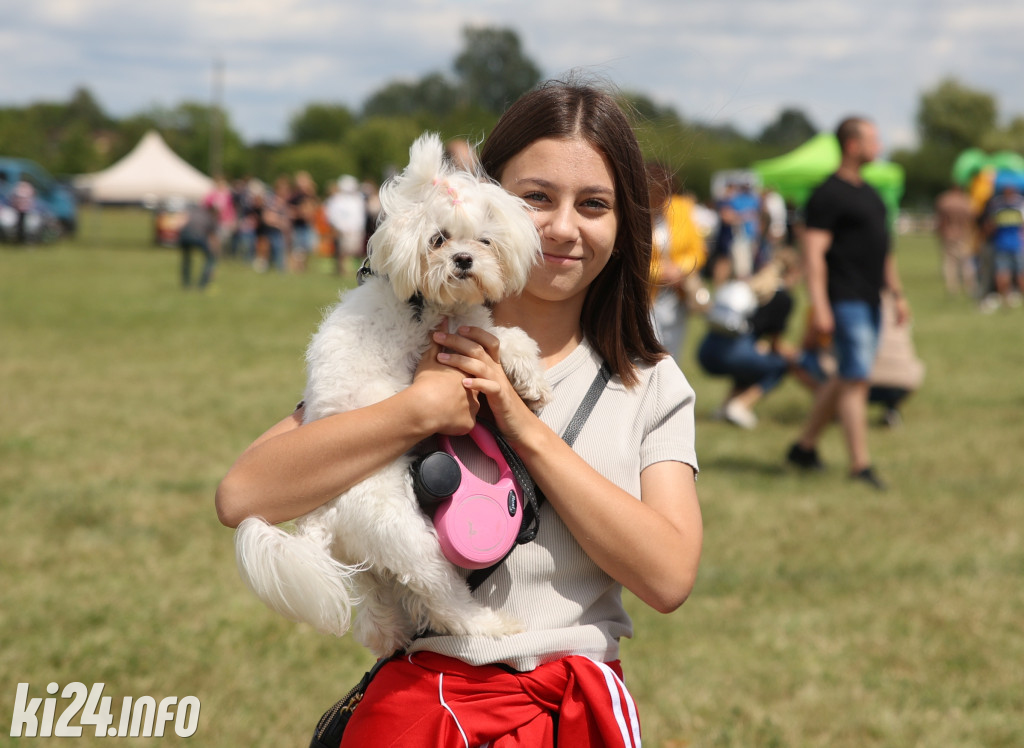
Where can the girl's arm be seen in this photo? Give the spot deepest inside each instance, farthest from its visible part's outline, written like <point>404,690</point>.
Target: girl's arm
<point>651,547</point>
<point>293,468</point>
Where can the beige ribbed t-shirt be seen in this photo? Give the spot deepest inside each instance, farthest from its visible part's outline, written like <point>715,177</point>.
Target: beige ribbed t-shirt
<point>566,602</point>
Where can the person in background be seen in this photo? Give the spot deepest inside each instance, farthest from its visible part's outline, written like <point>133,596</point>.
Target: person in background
<point>775,219</point>
<point>197,234</point>
<point>23,200</point>
<point>221,200</point>
<point>302,208</point>
<point>250,202</point>
<point>744,340</point>
<point>744,213</point>
<point>848,263</point>
<point>678,255</point>
<point>954,228</point>
<point>346,212</point>
<point>1003,229</point>
<point>897,373</point>
<point>270,212</point>
<point>461,153</point>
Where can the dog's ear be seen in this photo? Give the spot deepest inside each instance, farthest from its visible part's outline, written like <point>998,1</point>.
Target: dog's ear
<point>426,162</point>
<point>513,227</point>
<point>395,253</point>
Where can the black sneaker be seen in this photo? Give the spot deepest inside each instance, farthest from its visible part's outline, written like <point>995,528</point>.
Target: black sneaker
<point>868,475</point>
<point>805,459</point>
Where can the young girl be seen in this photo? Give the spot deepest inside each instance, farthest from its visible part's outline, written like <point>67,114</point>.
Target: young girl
<point>621,506</point>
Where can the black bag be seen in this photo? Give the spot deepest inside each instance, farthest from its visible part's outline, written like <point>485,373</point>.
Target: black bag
<point>332,725</point>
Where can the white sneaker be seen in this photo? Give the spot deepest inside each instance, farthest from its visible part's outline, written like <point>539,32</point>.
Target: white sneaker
<point>989,304</point>
<point>739,415</point>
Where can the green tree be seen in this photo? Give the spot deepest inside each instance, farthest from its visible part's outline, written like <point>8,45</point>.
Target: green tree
<point>83,110</point>
<point>644,109</point>
<point>791,128</point>
<point>321,123</point>
<point>76,151</point>
<point>955,116</point>
<point>432,95</point>
<point>928,172</point>
<point>325,162</point>
<point>380,146</point>
<point>1009,138</point>
<point>492,68</point>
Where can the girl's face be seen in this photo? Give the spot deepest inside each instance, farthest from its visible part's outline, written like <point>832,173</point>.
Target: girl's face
<point>572,190</point>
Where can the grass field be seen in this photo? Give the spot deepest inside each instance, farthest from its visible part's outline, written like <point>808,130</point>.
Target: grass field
<point>825,614</point>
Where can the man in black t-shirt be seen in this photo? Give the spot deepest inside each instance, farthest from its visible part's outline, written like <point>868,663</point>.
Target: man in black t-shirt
<point>848,262</point>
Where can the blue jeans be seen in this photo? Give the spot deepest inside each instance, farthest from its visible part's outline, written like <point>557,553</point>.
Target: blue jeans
<point>857,324</point>
<point>1007,263</point>
<point>738,357</point>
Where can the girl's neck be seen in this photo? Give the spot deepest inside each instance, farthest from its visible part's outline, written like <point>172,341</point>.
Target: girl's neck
<point>554,326</point>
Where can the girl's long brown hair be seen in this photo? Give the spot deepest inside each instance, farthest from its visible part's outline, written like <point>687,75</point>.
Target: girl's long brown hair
<point>616,315</point>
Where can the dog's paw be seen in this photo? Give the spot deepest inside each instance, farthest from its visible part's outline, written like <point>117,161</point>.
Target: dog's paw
<point>520,359</point>
<point>536,394</point>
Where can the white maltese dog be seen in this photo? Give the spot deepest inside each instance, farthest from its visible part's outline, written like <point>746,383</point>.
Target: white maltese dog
<point>449,245</point>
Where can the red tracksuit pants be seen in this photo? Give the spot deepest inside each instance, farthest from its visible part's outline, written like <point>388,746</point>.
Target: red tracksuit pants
<point>426,700</point>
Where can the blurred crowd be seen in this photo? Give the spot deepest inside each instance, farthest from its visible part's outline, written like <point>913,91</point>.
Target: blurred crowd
<point>981,236</point>
<point>284,227</point>
<point>734,262</point>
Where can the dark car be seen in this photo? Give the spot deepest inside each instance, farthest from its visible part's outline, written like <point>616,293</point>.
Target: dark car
<point>54,208</point>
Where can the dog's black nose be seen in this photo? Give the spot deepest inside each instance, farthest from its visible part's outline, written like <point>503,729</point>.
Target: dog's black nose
<point>463,260</point>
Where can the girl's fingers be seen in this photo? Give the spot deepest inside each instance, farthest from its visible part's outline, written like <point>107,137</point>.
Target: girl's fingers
<point>470,341</point>
<point>482,386</point>
<point>468,364</point>
<point>486,339</point>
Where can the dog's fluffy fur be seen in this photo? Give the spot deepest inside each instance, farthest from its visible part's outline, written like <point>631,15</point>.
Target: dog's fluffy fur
<point>460,243</point>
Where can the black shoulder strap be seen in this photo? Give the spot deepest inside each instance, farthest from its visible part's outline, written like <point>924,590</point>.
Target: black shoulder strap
<point>589,401</point>
<point>534,495</point>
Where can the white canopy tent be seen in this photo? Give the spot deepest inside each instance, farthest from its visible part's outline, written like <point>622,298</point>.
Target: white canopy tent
<point>150,173</point>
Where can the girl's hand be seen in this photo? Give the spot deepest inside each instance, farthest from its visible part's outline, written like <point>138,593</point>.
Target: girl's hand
<point>441,395</point>
<point>475,352</point>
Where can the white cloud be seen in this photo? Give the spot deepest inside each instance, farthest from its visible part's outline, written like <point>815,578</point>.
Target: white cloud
<point>723,60</point>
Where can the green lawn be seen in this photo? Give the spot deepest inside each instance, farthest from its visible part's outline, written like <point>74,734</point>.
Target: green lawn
<point>825,614</point>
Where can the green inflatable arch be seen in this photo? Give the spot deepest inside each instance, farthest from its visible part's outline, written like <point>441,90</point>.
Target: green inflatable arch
<point>794,175</point>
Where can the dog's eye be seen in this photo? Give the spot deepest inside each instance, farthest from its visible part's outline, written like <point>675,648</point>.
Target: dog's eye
<point>437,240</point>
<point>485,241</point>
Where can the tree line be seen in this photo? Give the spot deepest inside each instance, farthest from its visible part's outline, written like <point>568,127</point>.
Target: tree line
<point>328,139</point>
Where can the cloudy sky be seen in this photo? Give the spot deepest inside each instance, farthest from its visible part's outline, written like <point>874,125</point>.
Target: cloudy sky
<point>723,61</point>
